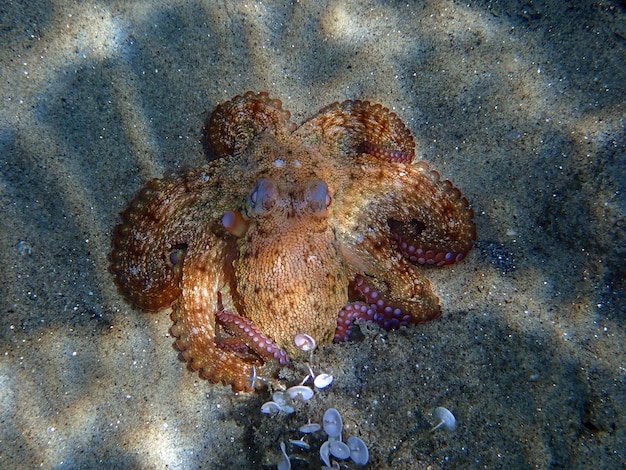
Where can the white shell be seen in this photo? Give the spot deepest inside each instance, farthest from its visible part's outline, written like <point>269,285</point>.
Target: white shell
<point>332,422</point>
<point>300,392</point>
<point>270,408</point>
<point>445,417</point>
<point>358,451</point>
<point>287,409</point>
<point>325,454</point>
<point>279,397</point>
<point>284,464</point>
<point>304,342</point>
<point>339,449</point>
<point>310,428</point>
<point>300,443</point>
<point>323,381</point>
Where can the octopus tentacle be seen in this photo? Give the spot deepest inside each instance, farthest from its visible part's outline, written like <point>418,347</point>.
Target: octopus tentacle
<point>139,254</point>
<point>410,210</point>
<point>407,290</point>
<point>386,317</point>
<point>429,219</point>
<point>252,337</point>
<point>346,127</point>
<point>378,151</point>
<point>443,237</point>
<point>151,244</point>
<point>385,307</point>
<point>236,122</point>
<point>419,253</point>
<point>194,318</point>
<point>348,315</point>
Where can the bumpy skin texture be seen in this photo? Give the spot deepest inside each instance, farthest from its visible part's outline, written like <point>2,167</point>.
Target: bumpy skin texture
<point>295,229</point>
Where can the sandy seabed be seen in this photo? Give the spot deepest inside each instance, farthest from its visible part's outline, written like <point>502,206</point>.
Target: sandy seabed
<point>521,104</point>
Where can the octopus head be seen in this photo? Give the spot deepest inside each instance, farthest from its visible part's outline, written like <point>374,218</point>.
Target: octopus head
<point>289,273</point>
<point>310,200</point>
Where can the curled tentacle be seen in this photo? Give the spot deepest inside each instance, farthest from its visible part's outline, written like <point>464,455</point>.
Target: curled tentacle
<point>252,337</point>
<point>421,239</point>
<point>346,127</point>
<point>373,308</point>
<point>378,151</point>
<point>411,250</point>
<point>236,122</point>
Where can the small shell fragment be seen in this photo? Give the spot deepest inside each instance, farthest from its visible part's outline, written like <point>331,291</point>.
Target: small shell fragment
<point>280,398</point>
<point>287,409</point>
<point>310,428</point>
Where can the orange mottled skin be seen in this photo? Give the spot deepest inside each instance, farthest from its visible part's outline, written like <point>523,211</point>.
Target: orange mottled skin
<point>312,211</point>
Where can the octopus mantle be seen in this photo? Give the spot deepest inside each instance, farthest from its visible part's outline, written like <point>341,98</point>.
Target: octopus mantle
<point>290,230</point>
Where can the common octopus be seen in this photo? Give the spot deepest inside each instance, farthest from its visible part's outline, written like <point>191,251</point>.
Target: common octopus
<point>290,230</point>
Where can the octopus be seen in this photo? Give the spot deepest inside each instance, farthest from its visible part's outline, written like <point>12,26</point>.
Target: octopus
<point>290,230</point>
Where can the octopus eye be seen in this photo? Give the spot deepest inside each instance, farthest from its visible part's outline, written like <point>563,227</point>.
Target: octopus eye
<point>264,196</point>
<point>234,223</point>
<point>317,196</point>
